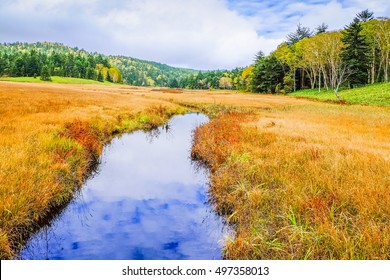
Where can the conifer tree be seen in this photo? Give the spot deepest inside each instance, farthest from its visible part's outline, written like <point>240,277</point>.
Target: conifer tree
<point>45,73</point>
<point>100,77</point>
<point>356,54</point>
<point>299,34</point>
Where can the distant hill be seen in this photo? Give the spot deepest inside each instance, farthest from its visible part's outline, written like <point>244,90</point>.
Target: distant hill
<point>148,73</point>
<point>23,59</point>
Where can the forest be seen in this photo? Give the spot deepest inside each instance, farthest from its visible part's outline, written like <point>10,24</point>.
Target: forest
<point>53,59</point>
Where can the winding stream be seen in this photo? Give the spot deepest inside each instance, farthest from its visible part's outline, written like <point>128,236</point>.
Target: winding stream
<point>147,201</point>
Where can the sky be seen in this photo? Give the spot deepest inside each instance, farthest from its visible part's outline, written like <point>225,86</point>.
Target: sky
<point>197,34</point>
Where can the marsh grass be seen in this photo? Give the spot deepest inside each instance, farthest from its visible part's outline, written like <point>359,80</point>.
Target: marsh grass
<point>290,198</point>
<point>55,80</point>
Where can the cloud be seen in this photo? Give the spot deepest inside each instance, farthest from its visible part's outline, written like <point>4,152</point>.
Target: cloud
<point>280,17</point>
<point>201,34</point>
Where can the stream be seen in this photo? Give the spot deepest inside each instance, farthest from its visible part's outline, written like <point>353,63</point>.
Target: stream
<point>148,200</point>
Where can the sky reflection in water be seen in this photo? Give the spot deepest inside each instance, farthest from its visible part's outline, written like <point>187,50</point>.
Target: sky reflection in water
<point>148,201</point>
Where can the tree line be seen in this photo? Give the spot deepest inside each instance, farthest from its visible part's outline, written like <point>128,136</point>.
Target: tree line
<point>357,55</point>
<point>52,59</point>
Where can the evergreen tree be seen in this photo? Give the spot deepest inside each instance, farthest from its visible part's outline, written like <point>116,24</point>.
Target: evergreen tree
<point>356,54</point>
<point>3,64</point>
<point>268,74</point>
<point>18,67</point>
<point>32,64</point>
<point>365,16</point>
<point>45,73</point>
<point>100,77</point>
<point>173,83</point>
<point>90,73</point>
<point>322,28</point>
<point>299,34</point>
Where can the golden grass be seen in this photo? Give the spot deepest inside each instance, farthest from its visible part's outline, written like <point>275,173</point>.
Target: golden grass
<point>306,182</point>
<point>168,90</point>
<point>50,136</point>
<point>299,179</point>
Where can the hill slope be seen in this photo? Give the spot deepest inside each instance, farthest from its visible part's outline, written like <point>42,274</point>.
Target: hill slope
<point>22,59</point>
<point>148,73</point>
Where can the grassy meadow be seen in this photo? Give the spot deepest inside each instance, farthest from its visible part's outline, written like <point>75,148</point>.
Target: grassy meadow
<point>55,80</point>
<point>300,186</point>
<point>298,179</point>
<point>376,94</point>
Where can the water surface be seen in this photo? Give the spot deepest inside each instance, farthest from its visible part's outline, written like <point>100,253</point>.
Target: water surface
<point>148,201</point>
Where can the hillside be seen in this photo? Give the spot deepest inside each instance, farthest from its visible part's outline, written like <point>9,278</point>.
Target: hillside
<point>22,59</point>
<point>148,73</point>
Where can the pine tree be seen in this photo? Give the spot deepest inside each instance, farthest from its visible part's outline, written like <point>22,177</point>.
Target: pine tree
<point>356,53</point>
<point>268,74</point>
<point>321,28</point>
<point>45,73</point>
<point>100,77</point>
<point>365,16</point>
<point>299,34</point>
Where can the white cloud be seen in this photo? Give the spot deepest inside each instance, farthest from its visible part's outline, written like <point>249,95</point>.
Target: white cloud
<point>280,17</point>
<point>202,34</point>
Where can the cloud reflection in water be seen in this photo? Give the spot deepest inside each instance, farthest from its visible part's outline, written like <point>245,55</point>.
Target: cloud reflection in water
<point>148,201</point>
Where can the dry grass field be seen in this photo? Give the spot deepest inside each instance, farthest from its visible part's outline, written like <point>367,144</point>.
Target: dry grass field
<point>50,136</point>
<point>299,179</point>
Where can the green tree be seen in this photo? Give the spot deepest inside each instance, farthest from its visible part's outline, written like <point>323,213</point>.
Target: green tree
<point>100,77</point>
<point>288,56</point>
<point>173,83</point>
<point>268,74</point>
<point>321,28</point>
<point>356,53</point>
<point>18,67</point>
<point>45,73</point>
<point>365,16</point>
<point>299,34</point>
<point>32,64</point>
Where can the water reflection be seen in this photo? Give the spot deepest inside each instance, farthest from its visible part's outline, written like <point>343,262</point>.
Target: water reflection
<point>148,201</point>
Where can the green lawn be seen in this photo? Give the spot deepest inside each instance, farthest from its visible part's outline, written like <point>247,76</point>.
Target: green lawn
<point>55,79</point>
<point>376,94</point>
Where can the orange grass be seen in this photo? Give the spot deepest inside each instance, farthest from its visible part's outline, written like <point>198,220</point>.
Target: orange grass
<point>317,189</point>
<point>298,179</point>
<point>50,137</point>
